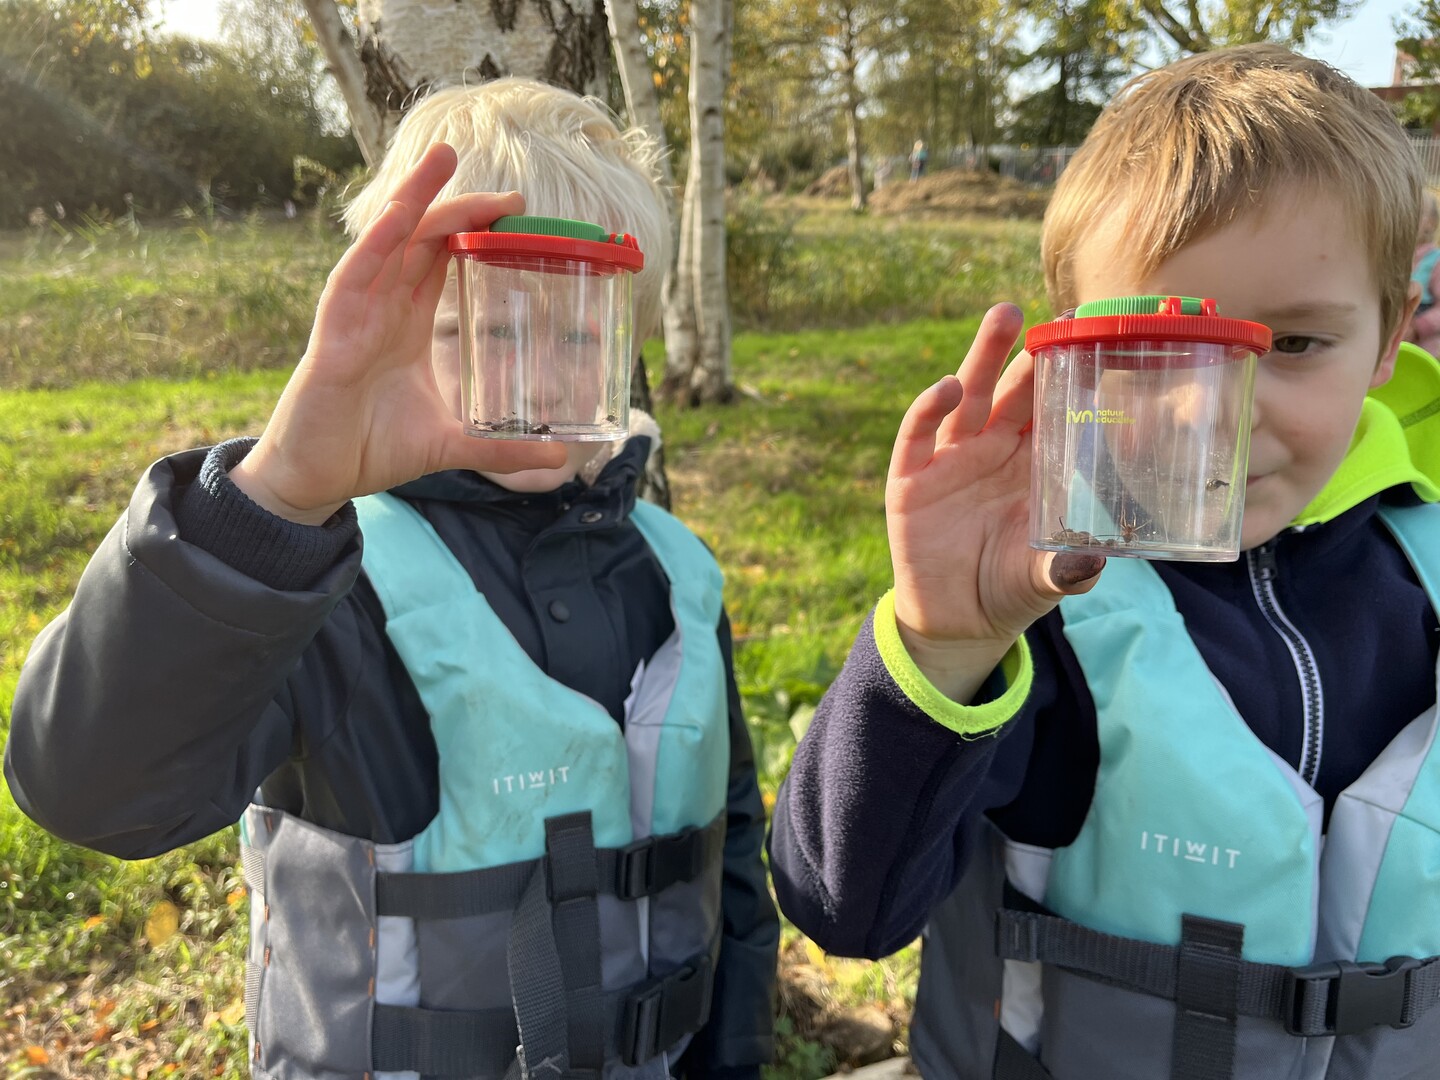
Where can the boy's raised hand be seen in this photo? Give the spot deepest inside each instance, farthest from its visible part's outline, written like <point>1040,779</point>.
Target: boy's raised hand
<point>967,582</point>
<point>363,411</point>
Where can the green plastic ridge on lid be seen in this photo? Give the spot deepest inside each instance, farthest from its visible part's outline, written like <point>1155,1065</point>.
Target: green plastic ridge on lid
<point>1135,305</point>
<point>551,226</point>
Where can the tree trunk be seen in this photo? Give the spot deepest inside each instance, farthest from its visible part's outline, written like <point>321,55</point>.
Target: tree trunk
<point>682,334</point>
<point>634,68</point>
<point>853,146</point>
<point>372,126</point>
<point>676,298</point>
<point>709,63</point>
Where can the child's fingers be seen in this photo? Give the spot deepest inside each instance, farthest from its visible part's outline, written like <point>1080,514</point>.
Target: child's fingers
<point>416,192</point>
<point>981,369</point>
<point>423,183</point>
<point>364,262</point>
<point>915,442</point>
<point>1014,405</point>
<point>467,213</point>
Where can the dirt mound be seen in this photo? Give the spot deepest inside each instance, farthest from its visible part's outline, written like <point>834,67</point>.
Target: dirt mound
<point>833,183</point>
<point>964,191</point>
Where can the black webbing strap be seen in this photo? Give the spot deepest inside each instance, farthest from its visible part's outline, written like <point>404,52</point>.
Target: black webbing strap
<point>643,868</point>
<point>639,1023</point>
<point>1325,999</point>
<point>471,1044</point>
<point>574,885</point>
<point>1207,978</point>
<point>1014,1062</point>
<point>537,985</point>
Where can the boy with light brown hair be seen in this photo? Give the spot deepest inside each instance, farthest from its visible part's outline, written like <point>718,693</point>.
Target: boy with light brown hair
<point>1173,819</point>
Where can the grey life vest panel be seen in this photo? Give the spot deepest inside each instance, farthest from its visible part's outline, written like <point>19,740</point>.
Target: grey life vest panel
<point>560,916</point>
<point>1200,927</point>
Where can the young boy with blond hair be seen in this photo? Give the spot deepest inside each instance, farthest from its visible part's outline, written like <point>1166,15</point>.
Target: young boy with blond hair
<point>472,705</point>
<point>1174,819</point>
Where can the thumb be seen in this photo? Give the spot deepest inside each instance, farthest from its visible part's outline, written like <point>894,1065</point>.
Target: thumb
<point>462,451</point>
<point>1066,573</point>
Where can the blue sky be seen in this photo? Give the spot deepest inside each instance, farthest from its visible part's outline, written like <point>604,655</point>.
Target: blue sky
<point>1363,46</point>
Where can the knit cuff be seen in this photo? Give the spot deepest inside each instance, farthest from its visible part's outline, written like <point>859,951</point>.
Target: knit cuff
<point>217,516</point>
<point>982,718</point>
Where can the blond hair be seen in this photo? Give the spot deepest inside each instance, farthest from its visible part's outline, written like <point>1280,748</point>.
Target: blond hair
<point>565,153</point>
<point>1185,150</point>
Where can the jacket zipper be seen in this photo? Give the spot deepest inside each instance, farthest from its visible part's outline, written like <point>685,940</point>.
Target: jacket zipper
<point>1264,571</point>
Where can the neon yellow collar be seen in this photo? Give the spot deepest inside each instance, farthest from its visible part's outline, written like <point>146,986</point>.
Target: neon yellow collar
<point>1397,441</point>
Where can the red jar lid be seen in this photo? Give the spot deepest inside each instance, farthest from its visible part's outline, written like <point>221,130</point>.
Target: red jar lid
<point>1175,318</point>
<point>552,238</point>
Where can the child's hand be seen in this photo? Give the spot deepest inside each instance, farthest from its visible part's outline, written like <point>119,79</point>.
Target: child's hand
<point>363,411</point>
<point>967,582</point>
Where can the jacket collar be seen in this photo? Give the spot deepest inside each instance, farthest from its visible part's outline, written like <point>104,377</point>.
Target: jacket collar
<point>1397,442</point>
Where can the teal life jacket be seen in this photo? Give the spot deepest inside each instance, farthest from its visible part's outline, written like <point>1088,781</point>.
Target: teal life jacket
<point>561,912</point>
<point>1200,926</point>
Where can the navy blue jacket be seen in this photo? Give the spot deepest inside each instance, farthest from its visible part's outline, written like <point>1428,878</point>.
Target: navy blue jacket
<point>870,826</point>
<point>212,649</point>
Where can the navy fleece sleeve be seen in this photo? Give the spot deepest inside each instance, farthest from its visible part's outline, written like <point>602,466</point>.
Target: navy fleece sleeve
<point>868,826</point>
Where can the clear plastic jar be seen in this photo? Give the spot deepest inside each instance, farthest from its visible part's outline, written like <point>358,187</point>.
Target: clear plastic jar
<point>546,329</point>
<point>1142,428</point>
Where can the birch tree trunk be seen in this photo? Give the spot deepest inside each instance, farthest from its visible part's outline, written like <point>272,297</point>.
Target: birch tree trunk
<point>405,45</point>
<point>850,63</point>
<point>697,366</point>
<point>633,65</point>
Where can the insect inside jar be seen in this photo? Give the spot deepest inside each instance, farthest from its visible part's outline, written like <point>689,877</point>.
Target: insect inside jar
<point>1216,484</point>
<point>1074,537</point>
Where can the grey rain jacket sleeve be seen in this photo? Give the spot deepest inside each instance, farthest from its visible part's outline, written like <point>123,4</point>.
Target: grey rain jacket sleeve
<point>148,713</point>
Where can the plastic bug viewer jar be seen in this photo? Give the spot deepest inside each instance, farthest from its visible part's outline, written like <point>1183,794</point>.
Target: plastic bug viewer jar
<point>546,329</point>
<point>1142,428</point>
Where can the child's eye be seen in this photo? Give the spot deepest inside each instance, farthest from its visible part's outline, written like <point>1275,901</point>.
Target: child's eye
<point>1295,344</point>
<point>502,332</point>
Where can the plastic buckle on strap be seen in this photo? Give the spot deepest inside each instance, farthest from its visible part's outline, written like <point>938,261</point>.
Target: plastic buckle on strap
<point>1357,996</point>
<point>640,1030</point>
<point>635,870</point>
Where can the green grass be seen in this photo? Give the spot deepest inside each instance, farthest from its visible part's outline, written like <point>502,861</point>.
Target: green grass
<point>786,485</point>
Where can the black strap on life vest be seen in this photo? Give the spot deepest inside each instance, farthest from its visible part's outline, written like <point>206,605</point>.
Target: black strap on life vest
<point>562,1023</point>
<point>643,868</point>
<point>1211,986</point>
<point>1207,980</point>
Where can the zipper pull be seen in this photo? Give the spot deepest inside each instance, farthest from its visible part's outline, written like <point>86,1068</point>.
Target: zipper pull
<point>1265,559</point>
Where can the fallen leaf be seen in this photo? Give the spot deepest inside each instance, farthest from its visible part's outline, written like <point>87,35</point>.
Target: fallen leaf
<point>94,921</point>
<point>36,1055</point>
<point>150,1025</point>
<point>233,1013</point>
<point>162,924</point>
<point>104,1008</point>
<point>101,1033</point>
<point>236,896</point>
